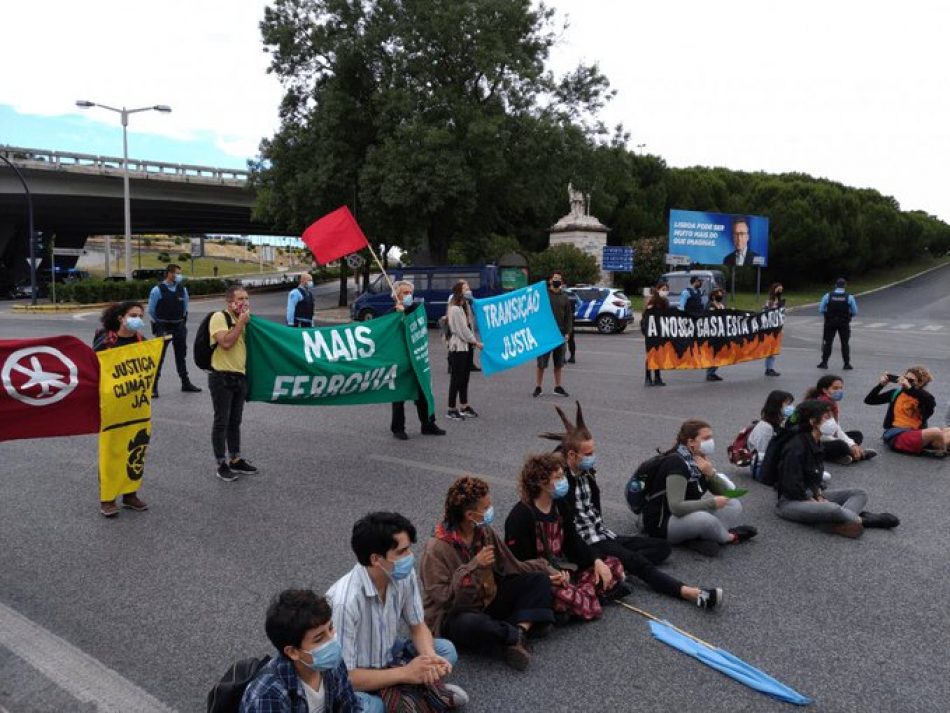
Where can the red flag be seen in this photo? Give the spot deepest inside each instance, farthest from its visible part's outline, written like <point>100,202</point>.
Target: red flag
<point>48,387</point>
<point>334,235</point>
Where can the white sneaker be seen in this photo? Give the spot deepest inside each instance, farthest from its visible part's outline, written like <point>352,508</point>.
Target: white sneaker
<point>826,477</point>
<point>459,696</point>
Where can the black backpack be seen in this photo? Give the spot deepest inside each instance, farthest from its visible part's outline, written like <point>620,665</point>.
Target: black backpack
<point>226,695</point>
<point>767,474</point>
<point>638,490</point>
<point>203,349</point>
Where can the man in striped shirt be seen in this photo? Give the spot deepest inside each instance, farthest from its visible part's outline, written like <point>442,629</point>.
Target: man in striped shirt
<point>369,604</point>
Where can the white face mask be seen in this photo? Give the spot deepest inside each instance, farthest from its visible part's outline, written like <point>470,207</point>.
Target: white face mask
<point>707,447</point>
<point>828,427</point>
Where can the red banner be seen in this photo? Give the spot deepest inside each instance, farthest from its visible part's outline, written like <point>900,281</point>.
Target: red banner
<point>48,387</point>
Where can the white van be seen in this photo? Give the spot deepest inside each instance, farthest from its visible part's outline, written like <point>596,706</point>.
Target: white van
<point>679,281</point>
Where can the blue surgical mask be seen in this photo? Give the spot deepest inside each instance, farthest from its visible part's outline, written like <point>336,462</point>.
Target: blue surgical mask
<point>587,462</point>
<point>467,294</point>
<point>403,567</point>
<point>560,488</point>
<point>837,395</point>
<point>787,411</point>
<point>177,277</point>
<point>488,518</point>
<point>136,324</point>
<point>325,657</point>
<point>407,301</point>
<point>707,447</point>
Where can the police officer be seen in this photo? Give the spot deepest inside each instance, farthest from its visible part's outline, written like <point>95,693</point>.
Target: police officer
<point>168,310</point>
<point>692,300</point>
<point>838,307</point>
<point>300,303</point>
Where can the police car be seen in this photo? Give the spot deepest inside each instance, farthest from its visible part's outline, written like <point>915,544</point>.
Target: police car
<point>606,308</point>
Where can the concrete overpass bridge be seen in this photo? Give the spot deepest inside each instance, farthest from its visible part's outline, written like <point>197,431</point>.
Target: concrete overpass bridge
<point>76,195</point>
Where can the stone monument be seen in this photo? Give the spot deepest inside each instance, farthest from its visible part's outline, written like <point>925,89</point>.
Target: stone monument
<point>582,230</point>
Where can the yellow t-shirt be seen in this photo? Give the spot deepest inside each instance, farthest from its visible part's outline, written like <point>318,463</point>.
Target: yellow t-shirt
<point>233,359</point>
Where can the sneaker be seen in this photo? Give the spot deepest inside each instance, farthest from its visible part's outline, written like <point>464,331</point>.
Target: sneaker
<point>659,382</point>
<point>225,473</point>
<point>934,452</point>
<point>847,367</point>
<point>869,453</point>
<point>108,509</point>
<point>825,478</point>
<point>517,655</point>
<point>537,391</point>
<point>618,591</point>
<point>475,368</point>
<point>771,372</point>
<point>155,393</point>
<point>459,696</point>
<point>823,365</point>
<point>713,377</point>
<point>853,529</point>
<point>743,533</point>
<point>190,388</point>
<point>400,435</point>
<point>559,390</point>
<point>432,430</point>
<point>883,520</point>
<point>134,502</point>
<point>469,412</point>
<point>844,460</point>
<point>454,415</point>
<point>709,599</point>
<point>571,361</point>
<point>241,466</point>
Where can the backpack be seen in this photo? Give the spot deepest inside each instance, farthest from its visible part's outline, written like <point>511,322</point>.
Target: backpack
<point>203,349</point>
<point>640,483</point>
<point>739,452</point>
<point>444,327</point>
<point>226,695</point>
<point>767,473</point>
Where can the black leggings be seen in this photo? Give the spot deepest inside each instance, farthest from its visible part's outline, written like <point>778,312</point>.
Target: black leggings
<point>521,597</point>
<point>460,366</point>
<point>639,556</point>
<point>833,450</point>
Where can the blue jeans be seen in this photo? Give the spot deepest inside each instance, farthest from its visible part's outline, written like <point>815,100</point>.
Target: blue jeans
<point>371,703</point>
<point>769,363</point>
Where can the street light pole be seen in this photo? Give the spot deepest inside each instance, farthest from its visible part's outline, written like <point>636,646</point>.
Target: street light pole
<point>127,201</point>
<point>29,227</point>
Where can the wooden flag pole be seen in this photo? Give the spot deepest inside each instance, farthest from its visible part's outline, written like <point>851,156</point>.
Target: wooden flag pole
<point>649,616</point>
<point>381,268</point>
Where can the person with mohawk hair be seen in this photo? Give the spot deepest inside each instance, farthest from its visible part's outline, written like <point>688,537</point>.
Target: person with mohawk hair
<point>639,555</point>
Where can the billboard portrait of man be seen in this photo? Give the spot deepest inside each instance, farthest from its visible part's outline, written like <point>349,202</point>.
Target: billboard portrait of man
<point>742,255</point>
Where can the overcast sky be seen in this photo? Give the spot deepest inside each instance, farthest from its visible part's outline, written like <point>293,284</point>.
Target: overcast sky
<point>852,91</point>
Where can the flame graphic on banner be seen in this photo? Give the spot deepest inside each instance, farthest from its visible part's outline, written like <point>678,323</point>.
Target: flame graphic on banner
<point>701,354</point>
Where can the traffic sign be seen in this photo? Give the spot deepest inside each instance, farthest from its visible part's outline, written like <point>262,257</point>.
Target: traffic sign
<point>355,261</point>
<point>618,258</point>
<point>682,260</point>
<point>197,247</point>
<point>68,252</point>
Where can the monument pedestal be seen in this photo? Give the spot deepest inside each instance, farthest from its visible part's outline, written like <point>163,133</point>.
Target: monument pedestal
<point>587,234</point>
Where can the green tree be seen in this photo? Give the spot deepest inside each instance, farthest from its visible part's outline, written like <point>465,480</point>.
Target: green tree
<point>576,266</point>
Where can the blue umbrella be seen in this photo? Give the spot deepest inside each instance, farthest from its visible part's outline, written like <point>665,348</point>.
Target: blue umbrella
<point>720,660</point>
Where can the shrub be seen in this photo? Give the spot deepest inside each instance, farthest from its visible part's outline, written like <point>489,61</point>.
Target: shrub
<point>575,265</point>
<point>163,257</point>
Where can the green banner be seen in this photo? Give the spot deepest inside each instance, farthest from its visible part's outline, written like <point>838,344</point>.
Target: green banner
<point>379,361</point>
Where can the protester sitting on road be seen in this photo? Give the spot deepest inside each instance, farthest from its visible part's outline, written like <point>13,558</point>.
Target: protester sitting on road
<point>403,292</point>
<point>909,408</point>
<point>639,555</point>
<point>371,601</point>
<point>716,303</point>
<point>476,592</point>
<point>776,301</point>
<point>308,673</point>
<point>839,446</point>
<point>799,465</point>
<point>122,324</point>
<point>777,408</point>
<point>658,300</point>
<point>462,344</point>
<point>685,513</point>
<point>542,525</point>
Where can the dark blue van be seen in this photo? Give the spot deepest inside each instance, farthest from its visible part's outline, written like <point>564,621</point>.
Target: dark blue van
<point>433,285</point>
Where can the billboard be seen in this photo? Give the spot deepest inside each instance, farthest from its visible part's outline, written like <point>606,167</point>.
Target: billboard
<point>720,238</point>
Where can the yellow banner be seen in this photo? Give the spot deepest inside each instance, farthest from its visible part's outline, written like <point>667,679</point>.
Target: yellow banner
<point>126,377</point>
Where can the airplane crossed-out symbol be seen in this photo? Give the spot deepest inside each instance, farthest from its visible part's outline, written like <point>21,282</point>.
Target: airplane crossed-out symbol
<point>53,384</point>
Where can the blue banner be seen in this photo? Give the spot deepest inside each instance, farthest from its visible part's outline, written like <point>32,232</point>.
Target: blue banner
<point>720,239</point>
<point>516,327</point>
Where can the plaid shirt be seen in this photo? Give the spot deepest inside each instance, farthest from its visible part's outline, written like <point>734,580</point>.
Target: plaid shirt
<point>278,689</point>
<point>587,519</point>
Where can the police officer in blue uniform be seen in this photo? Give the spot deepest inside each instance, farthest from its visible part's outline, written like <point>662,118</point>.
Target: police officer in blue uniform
<point>300,303</point>
<point>168,310</point>
<point>838,307</point>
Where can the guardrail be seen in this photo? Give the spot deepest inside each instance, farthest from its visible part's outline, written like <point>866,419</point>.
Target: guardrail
<point>112,165</point>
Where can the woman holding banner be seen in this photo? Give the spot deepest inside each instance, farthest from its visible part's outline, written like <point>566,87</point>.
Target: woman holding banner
<point>462,343</point>
<point>716,298</point>
<point>122,324</point>
<point>658,299</point>
<point>776,301</point>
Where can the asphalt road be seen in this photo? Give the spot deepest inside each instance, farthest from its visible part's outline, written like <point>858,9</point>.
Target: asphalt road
<point>151,607</point>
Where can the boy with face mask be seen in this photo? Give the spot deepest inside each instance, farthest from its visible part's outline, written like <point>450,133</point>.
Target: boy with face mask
<point>308,673</point>
<point>564,316</point>
<point>371,601</point>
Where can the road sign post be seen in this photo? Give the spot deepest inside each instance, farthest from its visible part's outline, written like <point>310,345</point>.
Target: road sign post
<point>618,258</point>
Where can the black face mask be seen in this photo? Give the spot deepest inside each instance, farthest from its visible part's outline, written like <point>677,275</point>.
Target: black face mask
<point>555,284</point>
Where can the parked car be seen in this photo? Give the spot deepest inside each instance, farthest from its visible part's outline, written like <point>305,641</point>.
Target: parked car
<point>679,281</point>
<point>433,285</point>
<point>606,308</point>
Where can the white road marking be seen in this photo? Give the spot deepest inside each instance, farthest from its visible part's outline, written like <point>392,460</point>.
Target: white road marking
<point>76,672</point>
<point>82,315</point>
<point>933,328</point>
<point>905,326</point>
<point>875,325</point>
